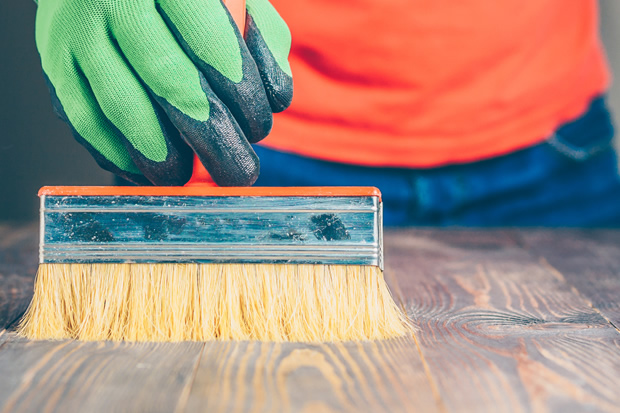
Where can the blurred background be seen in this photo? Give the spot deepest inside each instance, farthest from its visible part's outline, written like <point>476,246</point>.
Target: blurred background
<point>37,149</point>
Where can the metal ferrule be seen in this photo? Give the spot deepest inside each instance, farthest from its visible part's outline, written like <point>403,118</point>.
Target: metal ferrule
<point>180,229</point>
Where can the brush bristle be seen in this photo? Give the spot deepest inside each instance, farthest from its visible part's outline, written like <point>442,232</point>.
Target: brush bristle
<point>199,302</point>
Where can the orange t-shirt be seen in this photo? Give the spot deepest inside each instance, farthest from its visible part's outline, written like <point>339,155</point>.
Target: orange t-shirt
<point>422,83</point>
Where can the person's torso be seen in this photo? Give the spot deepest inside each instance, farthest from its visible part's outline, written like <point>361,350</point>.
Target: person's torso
<point>429,82</point>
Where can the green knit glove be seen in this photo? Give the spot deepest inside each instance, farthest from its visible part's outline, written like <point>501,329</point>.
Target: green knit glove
<point>145,83</point>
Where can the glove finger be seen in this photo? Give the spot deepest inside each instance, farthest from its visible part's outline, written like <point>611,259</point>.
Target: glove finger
<point>153,144</point>
<point>269,41</point>
<point>219,142</point>
<point>184,94</point>
<point>209,35</point>
<point>76,105</point>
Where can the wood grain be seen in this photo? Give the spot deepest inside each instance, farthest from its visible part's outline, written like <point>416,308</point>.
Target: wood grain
<point>499,331</point>
<point>507,320</point>
<point>232,376</point>
<point>62,376</point>
<point>289,377</point>
<point>588,260</point>
<point>18,266</point>
<point>69,376</point>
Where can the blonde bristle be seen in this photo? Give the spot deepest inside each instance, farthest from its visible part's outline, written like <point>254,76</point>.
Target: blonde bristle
<point>199,302</point>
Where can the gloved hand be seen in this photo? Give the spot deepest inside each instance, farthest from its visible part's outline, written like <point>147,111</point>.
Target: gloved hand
<point>144,82</point>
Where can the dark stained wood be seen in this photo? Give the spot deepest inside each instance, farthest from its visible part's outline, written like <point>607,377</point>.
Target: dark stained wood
<point>588,260</point>
<point>18,266</point>
<point>498,330</point>
<point>68,376</point>
<point>62,376</point>
<point>506,322</point>
<point>71,376</point>
<point>288,377</point>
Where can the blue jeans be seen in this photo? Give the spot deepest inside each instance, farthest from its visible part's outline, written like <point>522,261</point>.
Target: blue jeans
<point>570,180</point>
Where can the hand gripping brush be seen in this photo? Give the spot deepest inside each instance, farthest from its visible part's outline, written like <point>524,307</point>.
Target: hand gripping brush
<point>203,263</point>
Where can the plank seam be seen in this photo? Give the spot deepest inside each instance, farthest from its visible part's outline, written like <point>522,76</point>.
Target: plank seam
<point>184,396</point>
<point>397,292</point>
<point>429,377</point>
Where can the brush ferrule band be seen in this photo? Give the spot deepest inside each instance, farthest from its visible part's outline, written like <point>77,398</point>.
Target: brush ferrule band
<point>343,230</point>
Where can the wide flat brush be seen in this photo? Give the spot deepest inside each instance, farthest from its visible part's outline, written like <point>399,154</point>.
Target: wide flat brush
<point>202,263</point>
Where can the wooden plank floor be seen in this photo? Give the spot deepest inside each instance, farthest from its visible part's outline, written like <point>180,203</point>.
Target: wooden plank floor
<point>507,321</point>
<point>499,331</point>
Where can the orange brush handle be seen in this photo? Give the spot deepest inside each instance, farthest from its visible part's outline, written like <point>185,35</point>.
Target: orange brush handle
<point>202,190</point>
<point>200,176</point>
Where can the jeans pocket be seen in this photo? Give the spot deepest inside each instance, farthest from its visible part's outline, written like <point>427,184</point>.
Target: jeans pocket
<point>585,137</point>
